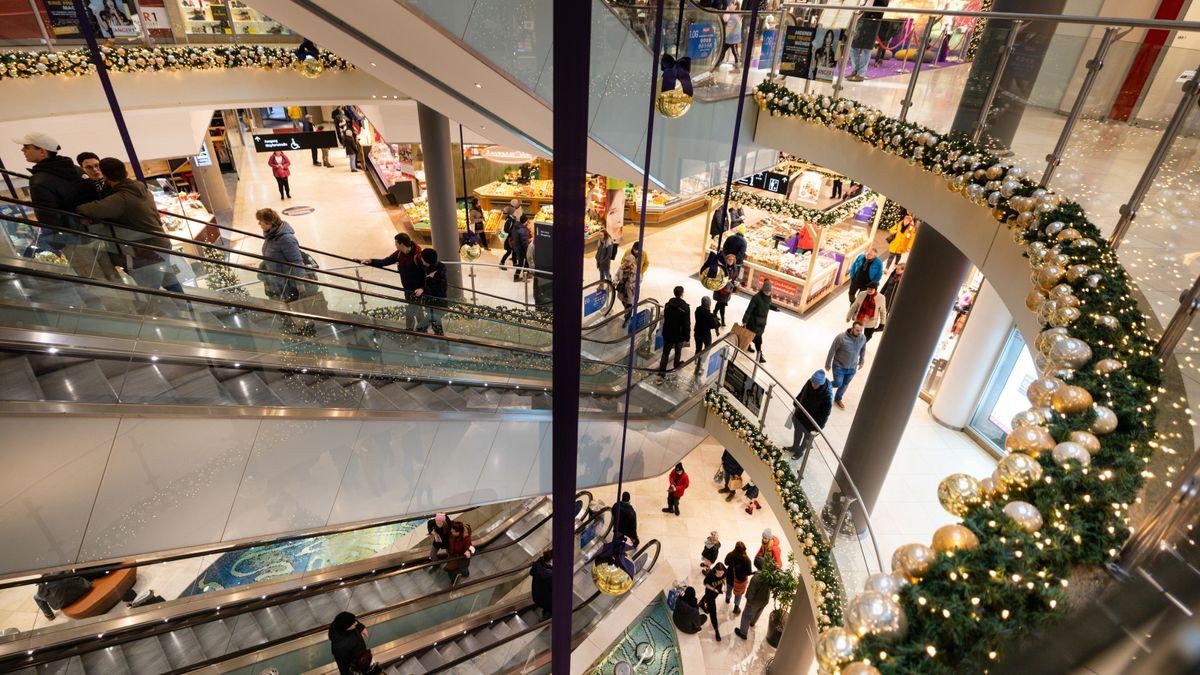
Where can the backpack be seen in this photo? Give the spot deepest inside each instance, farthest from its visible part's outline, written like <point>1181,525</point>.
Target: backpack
<point>310,266</point>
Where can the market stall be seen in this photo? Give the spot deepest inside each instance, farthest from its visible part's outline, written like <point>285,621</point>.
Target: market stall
<point>661,208</point>
<point>800,278</point>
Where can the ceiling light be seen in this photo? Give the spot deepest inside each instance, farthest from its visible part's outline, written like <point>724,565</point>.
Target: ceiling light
<point>478,86</point>
<point>372,63</point>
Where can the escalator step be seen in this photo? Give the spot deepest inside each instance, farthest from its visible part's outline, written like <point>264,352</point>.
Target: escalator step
<point>514,400</point>
<point>450,651</point>
<point>371,398</point>
<point>246,633</point>
<point>17,381</point>
<point>300,614</point>
<point>182,647</point>
<point>213,637</point>
<point>140,384</point>
<point>431,659</point>
<point>292,390</point>
<point>398,393</point>
<point>331,394</point>
<point>500,630</point>
<point>481,397</point>
<point>198,386</point>
<point>274,622</point>
<point>248,389</point>
<point>79,382</point>
<point>110,661</point>
<point>366,599</point>
<point>146,656</point>
<point>409,666</point>
<point>516,623</point>
<point>470,642</point>
<point>426,396</point>
<point>71,666</point>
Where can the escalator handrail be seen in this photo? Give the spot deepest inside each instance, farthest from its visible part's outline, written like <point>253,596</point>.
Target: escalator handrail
<point>541,624</point>
<point>521,569</point>
<point>131,633</point>
<point>229,302</point>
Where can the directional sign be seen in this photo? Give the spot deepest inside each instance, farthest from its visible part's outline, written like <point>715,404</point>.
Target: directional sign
<point>295,141</point>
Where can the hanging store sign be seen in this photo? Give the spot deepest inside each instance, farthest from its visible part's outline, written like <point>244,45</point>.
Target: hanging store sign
<point>295,141</point>
<point>502,155</point>
<point>770,181</point>
<point>701,40</point>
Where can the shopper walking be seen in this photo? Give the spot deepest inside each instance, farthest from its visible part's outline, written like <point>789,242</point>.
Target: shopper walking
<point>727,264</point>
<point>813,405</point>
<point>900,241</point>
<point>769,550</point>
<point>758,595</point>
<point>710,551</point>
<point>306,126</point>
<point>687,616</point>
<point>676,327</point>
<point>625,518</point>
<point>458,552</point>
<point>836,189</point>
<point>520,238</point>
<point>348,644</point>
<point>627,277</point>
<point>606,250</point>
<point>867,268</point>
<point>892,285</point>
<point>476,217</point>
<point>737,564</point>
<point>130,205</point>
<point>677,484</point>
<point>281,169</point>
<point>845,357</point>
<point>733,34</point>
<point>542,573</point>
<point>54,183</point>
<point>755,318</point>
<point>870,309</point>
<point>350,143</point>
<point>412,274</point>
<point>704,327</point>
<point>432,292</point>
<point>506,229</point>
<point>732,469</point>
<point>714,583</point>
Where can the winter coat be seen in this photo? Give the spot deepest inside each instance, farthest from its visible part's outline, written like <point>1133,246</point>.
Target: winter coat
<point>801,241</point>
<point>678,483</point>
<point>346,645</point>
<point>758,593</point>
<point>735,244</point>
<point>771,548</point>
<point>542,575</point>
<point>719,223</point>
<point>737,216</point>
<point>412,275</point>
<point>710,549</point>
<point>280,166</point>
<point>55,182</point>
<point>738,569</point>
<point>755,317</point>
<point>282,252</point>
<point>730,465</point>
<point>131,205</point>
<point>628,519</point>
<point>686,615</point>
<point>847,351</point>
<point>705,324</point>
<point>442,532</point>
<point>605,253</point>
<point>878,318</point>
<point>677,321</point>
<point>890,287</point>
<point>732,274</point>
<point>874,269</point>
<point>520,237</point>
<point>903,241</point>
<point>624,281</point>
<point>817,402</point>
<point>456,548</point>
<point>435,285</point>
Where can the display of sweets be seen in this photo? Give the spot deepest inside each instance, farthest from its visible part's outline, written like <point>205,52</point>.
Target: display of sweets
<point>843,238</point>
<point>539,189</point>
<point>545,214</point>
<point>49,256</point>
<point>417,210</point>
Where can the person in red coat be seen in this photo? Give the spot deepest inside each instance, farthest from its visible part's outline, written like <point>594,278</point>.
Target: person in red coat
<point>770,549</point>
<point>677,483</point>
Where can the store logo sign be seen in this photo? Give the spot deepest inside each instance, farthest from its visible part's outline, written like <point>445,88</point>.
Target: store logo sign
<point>507,156</point>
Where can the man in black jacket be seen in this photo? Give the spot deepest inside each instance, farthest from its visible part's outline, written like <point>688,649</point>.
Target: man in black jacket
<point>306,125</point>
<point>816,399</point>
<point>626,519</point>
<point>543,579</point>
<point>677,329</point>
<point>54,183</point>
<point>348,643</point>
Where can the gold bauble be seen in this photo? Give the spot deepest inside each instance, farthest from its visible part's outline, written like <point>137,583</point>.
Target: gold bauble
<point>1106,366</point>
<point>1049,337</point>
<point>1025,514</point>
<point>1069,234</point>
<point>1017,471</point>
<point>1106,421</point>
<point>713,279</point>
<point>958,493</point>
<point>611,579</point>
<point>1031,440</point>
<point>673,104</point>
<point>987,486</point>
<point>1026,418</point>
<point>912,561</point>
<point>835,647</point>
<point>860,668</point>
<point>888,584</point>
<point>1065,316</point>
<point>1077,272</point>
<point>1070,451</point>
<point>1034,299</point>
<point>1087,439</point>
<point>950,538</point>
<point>471,252</point>
<point>872,613</point>
<point>1069,300</point>
<point>1042,389</point>
<point>310,67</point>
<point>1047,311</point>
<point>1048,276</point>
<point>1108,321</point>
<point>1071,399</point>
<point>1070,352</point>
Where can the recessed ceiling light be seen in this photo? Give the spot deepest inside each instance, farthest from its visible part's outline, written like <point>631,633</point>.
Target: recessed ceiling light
<point>478,86</point>
<point>372,63</point>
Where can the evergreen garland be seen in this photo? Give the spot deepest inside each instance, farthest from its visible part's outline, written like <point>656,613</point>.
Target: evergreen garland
<point>972,603</point>
<point>131,59</point>
<point>792,210</point>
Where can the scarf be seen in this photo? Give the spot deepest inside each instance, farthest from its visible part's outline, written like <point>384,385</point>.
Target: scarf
<point>866,310</point>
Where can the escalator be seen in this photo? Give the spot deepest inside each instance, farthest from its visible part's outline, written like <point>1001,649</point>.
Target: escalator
<point>504,50</point>
<point>285,622</point>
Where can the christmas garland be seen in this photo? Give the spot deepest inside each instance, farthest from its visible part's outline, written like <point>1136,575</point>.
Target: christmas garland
<point>1060,498</point>
<point>792,210</point>
<point>827,584</point>
<point>219,276</point>
<point>19,64</point>
<point>536,318</point>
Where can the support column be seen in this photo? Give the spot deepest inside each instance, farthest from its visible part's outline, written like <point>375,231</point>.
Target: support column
<point>980,343</point>
<point>439,183</point>
<point>213,193</point>
<point>932,277</point>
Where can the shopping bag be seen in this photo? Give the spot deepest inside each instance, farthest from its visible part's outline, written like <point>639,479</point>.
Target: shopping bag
<point>719,477</point>
<point>743,335</point>
<point>735,483</point>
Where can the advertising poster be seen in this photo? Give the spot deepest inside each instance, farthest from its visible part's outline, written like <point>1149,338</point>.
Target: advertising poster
<point>826,49</point>
<point>767,51</point>
<point>701,40</point>
<point>155,21</point>
<point>809,190</point>
<point>110,18</point>
<point>796,60</point>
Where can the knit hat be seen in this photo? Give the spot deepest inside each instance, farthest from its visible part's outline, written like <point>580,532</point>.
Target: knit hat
<point>740,229</point>
<point>39,140</point>
<point>818,378</point>
<point>440,519</point>
<point>767,533</point>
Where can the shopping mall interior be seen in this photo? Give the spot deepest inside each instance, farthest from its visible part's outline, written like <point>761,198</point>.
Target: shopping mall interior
<point>388,337</point>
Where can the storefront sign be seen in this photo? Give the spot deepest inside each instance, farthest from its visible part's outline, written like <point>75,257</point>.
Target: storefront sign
<point>714,364</point>
<point>769,181</point>
<point>594,302</point>
<point>780,288</point>
<point>702,40</point>
<point>739,383</point>
<point>154,17</point>
<point>796,60</point>
<point>110,18</point>
<point>640,320</point>
<point>502,155</point>
<point>295,141</point>
<point>202,158</point>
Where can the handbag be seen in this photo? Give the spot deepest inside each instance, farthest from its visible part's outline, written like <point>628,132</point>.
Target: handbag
<point>743,335</point>
<point>719,477</point>
<point>891,237</point>
<point>736,483</point>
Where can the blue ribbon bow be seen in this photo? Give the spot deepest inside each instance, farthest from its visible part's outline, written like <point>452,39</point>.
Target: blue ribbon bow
<point>307,49</point>
<point>677,70</point>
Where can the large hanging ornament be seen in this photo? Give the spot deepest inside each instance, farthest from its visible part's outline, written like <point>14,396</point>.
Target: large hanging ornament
<point>860,668</point>
<point>1026,418</point>
<point>1106,366</point>
<point>1071,399</point>
<point>470,252</point>
<point>1049,337</point>
<point>1034,299</point>
<point>612,570</point>
<point>1065,316</point>
<point>1048,276</point>
<point>872,613</point>
<point>1017,471</point>
<point>949,538</point>
<point>1030,440</point>
<point>959,492</point>
<point>987,486</point>
<point>1070,352</point>
<point>1025,514</point>
<point>1069,451</point>
<point>1041,390</point>
<point>888,584</point>
<point>1087,439</point>
<point>310,67</point>
<point>913,561</point>
<point>675,89</point>
<point>1105,422</point>
<point>835,647</point>
<point>713,278</point>
<point>1077,272</point>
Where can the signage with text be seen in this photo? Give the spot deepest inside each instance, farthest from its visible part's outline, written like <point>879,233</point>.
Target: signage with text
<point>594,302</point>
<point>769,181</point>
<point>701,40</point>
<point>295,141</point>
<point>796,59</point>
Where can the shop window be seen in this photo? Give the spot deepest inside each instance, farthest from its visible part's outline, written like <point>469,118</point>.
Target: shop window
<point>1004,395</point>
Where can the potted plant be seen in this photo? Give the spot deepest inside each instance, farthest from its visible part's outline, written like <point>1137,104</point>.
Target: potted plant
<point>783,584</point>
